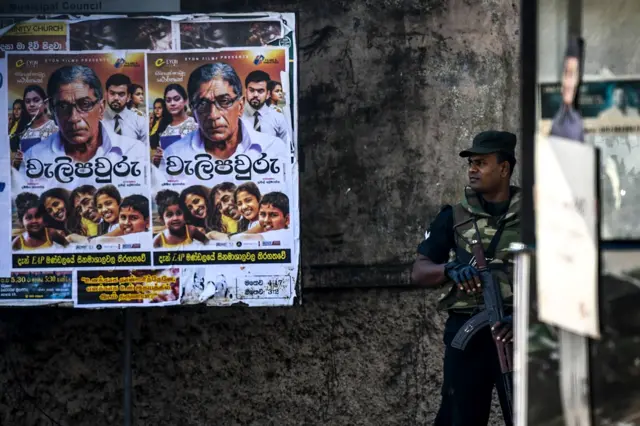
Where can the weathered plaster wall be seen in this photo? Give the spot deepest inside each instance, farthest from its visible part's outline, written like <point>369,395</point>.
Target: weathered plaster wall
<point>390,98</point>
<point>390,91</point>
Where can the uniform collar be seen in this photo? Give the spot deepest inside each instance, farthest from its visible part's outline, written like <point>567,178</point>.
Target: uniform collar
<point>472,203</point>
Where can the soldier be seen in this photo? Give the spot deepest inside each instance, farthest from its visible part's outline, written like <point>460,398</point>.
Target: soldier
<point>444,261</point>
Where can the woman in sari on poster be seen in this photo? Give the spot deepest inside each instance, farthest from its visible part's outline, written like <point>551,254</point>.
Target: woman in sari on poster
<point>38,125</point>
<point>175,122</point>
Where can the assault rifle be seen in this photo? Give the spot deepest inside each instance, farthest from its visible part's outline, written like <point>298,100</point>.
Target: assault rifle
<point>492,313</point>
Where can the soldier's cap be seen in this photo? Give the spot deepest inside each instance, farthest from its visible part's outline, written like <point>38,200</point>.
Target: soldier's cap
<point>492,141</point>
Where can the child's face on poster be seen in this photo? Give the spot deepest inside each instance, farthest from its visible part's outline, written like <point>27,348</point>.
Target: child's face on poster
<point>132,221</point>
<point>570,79</point>
<point>272,218</point>
<point>32,221</point>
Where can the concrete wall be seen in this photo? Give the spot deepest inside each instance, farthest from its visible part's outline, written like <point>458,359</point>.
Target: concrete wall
<point>390,92</point>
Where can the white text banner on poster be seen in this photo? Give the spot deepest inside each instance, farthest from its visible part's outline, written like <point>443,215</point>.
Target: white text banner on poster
<point>567,234</point>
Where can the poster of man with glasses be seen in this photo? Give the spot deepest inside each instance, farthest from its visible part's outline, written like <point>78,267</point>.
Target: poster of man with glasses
<point>136,168</point>
<point>82,184</point>
<point>203,92</point>
<point>203,151</point>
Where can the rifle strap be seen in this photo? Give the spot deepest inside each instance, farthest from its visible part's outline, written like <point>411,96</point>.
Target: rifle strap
<point>490,252</point>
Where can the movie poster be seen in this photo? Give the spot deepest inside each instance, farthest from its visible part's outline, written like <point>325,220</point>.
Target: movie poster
<point>142,175</point>
<point>612,123</point>
<point>221,170</point>
<point>220,33</point>
<point>80,186</point>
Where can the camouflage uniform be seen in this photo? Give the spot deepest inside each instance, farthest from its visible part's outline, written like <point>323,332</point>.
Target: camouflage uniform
<point>500,264</point>
<point>470,375</point>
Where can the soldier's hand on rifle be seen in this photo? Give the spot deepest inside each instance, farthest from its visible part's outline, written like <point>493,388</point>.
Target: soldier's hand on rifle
<point>503,330</point>
<point>464,275</point>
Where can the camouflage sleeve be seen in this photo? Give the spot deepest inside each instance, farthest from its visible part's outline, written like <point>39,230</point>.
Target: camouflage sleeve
<point>438,240</point>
